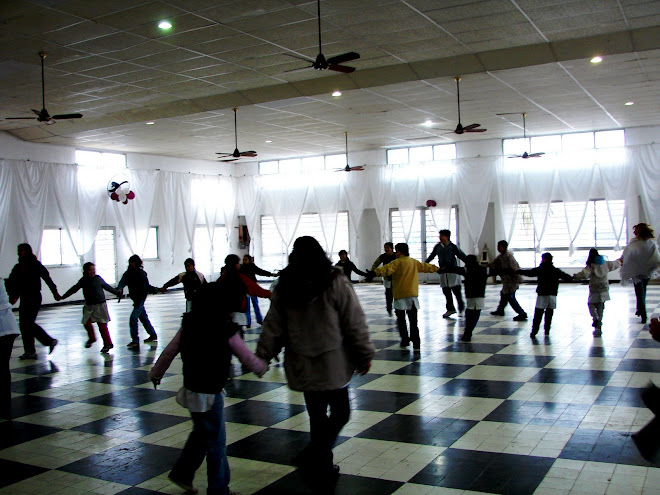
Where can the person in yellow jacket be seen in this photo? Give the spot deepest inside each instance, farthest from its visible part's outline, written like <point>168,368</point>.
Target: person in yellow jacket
<point>405,287</point>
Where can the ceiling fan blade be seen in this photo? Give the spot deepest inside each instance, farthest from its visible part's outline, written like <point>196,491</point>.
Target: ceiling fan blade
<point>358,168</point>
<point>67,116</point>
<point>344,57</point>
<point>19,118</point>
<point>470,127</point>
<point>536,155</point>
<point>228,160</point>
<point>298,69</point>
<point>341,68</point>
<point>476,130</point>
<point>223,154</point>
<point>248,153</point>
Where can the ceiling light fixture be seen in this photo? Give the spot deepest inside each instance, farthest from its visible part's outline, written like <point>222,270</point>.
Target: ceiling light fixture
<point>428,123</point>
<point>268,141</point>
<point>336,93</point>
<point>629,103</point>
<point>150,123</point>
<point>597,59</point>
<point>165,25</point>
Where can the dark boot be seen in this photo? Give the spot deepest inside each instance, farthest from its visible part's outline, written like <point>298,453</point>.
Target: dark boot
<point>536,323</point>
<point>471,320</point>
<point>401,325</point>
<point>548,320</point>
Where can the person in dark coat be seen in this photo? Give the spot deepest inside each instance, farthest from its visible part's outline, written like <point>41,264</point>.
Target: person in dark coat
<point>250,270</point>
<point>138,288</point>
<point>475,291</point>
<point>387,257</point>
<point>24,283</point>
<point>548,286</point>
<point>348,266</point>
<point>191,279</point>
<point>447,253</point>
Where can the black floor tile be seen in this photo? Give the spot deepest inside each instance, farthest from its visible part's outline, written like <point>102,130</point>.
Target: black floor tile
<point>296,483</point>
<point>401,354</point>
<point>134,490</point>
<point>577,377</point>
<point>603,446</point>
<point>375,400</point>
<point>13,472</point>
<point>271,445</point>
<point>24,405</point>
<point>15,432</point>
<point>32,385</point>
<point>246,389</point>
<point>620,396</point>
<point>130,463</point>
<point>485,472</point>
<point>131,398</point>
<point>478,388</point>
<point>517,360</point>
<point>128,378</point>
<point>419,368</point>
<point>131,424</point>
<point>261,413</point>
<point>541,413</point>
<point>421,430</point>
<point>643,365</point>
<point>504,331</point>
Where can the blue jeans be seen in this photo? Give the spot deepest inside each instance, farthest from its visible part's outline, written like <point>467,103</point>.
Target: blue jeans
<point>139,313</point>
<point>257,312</point>
<point>509,298</point>
<point>208,439</point>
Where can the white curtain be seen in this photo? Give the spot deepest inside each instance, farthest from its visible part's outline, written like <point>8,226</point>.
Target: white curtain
<point>475,179</point>
<point>406,186</point>
<point>249,201</point>
<point>380,185</point>
<point>176,210</point>
<point>645,161</point>
<point>326,198</point>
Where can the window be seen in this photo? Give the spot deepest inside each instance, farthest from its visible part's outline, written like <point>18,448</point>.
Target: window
<point>151,247</point>
<point>209,261</point>
<point>307,164</point>
<point>274,255</point>
<point>56,248</point>
<point>418,154</point>
<point>601,218</point>
<point>105,255</point>
<point>425,226</point>
<point>100,160</point>
<point>565,142</point>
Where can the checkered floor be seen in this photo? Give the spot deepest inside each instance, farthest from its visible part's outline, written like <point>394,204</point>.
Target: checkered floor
<point>502,414</point>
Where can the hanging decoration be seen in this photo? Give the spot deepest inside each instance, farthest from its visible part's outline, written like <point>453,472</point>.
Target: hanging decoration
<point>431,204</point>
<point>119,189</point>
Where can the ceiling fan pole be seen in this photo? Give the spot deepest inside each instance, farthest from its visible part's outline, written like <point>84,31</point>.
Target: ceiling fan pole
<point>318,5</point>
<point>235,129</point>
<point>43,81</point>
<point>346,141</point>
<point>458,97</point>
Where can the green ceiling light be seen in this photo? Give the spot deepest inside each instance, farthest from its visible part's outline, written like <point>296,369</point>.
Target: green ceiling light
<point>165,25</point>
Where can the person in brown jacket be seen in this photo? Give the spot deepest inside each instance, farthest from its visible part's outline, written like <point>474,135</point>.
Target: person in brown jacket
<point>316,317</point>
<point>505,265</point>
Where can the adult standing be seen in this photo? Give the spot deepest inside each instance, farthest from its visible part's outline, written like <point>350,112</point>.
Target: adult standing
<point>316,316</point>
<point>447,252</point>
<point>8,333</point>
<point>640,262</point>
<point>250,270</point>
<point>24,282</point>
<point>505,265</point>
<point>348,266</point>
<point>387,257</point>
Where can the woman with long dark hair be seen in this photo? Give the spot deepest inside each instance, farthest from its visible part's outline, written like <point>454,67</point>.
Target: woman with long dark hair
<point>316,317</point>
<point>24,282</point>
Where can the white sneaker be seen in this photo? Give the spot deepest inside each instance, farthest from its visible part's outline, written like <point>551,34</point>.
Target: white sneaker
<point>449,313</point>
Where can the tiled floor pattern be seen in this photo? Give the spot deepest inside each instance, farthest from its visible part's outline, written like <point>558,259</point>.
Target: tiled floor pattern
<point>502,414</point>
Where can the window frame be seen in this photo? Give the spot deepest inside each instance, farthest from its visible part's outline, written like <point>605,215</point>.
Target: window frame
<point>157,258</point>
<point>425,251</point>
<point>60,246</point>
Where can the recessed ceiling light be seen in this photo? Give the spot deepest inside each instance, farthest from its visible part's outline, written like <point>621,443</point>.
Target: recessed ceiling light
<point>597,60</point>
<point>150,123</point>
<point>336,93</point>
<point>629,103</point>
<point>165,25</point>
<point>268,141</point>
<point>428,122</point>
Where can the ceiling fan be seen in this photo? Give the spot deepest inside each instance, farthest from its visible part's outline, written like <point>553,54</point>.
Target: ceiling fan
<point>525,154</point>
<point>235,155</point>
<point>460,129</point>
<point>332,63</point>
<point>43,115</point>
<point>348,168</point>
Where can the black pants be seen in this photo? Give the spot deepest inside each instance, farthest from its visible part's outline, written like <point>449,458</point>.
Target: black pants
<point>6,346</point>
<point>389,297</point>
<point>471,320</point>
<point>538,315</point>
<point>27,314</point>
<point>640,295</point>
<point>403,330</point>
<point>456,289</point>
<point>324,429</point>
<point>509,298</point>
